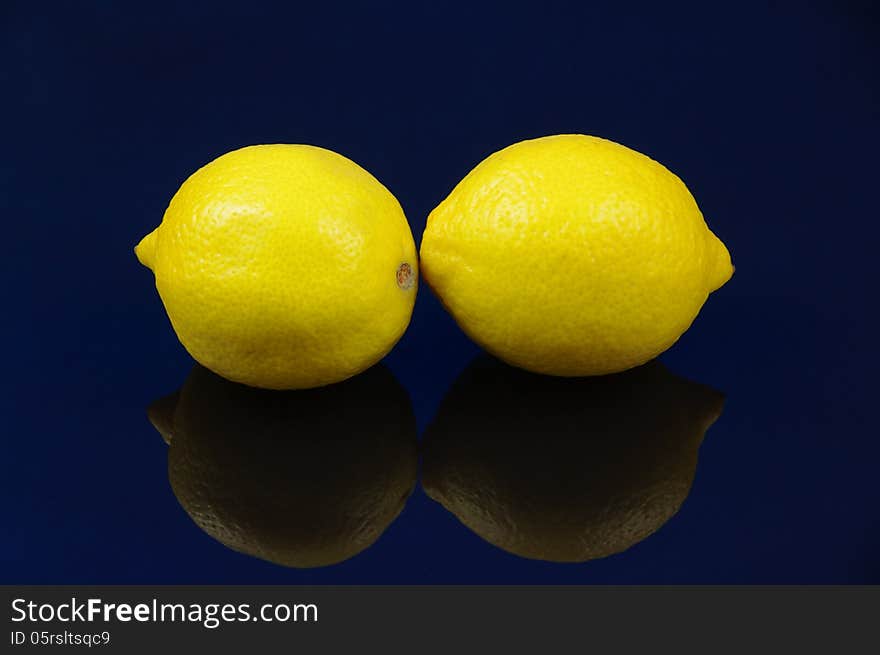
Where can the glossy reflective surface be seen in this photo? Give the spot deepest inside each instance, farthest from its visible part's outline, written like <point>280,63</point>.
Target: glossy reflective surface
<point>768,114</point>
<point>553,469</point>
<point>566,470</point>
<point>301,479</point>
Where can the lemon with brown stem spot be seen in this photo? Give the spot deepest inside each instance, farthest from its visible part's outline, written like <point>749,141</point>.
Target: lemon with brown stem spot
<point>572,255</point>
<point>284,266</point>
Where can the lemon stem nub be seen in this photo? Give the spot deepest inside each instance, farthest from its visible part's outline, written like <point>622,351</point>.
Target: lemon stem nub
<point>720,266</point>
<point>146,250</point>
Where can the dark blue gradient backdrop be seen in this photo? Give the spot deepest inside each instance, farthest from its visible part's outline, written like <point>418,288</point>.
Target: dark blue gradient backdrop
<point>768,111</point>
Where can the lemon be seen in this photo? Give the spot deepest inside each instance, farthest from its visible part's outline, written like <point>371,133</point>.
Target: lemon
<point>572,255</point>
<point>566,469</point>
<point>284,266</point>
<point>286,476</point>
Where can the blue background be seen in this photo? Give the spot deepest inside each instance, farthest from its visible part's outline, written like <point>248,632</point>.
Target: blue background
<point>768,111</point>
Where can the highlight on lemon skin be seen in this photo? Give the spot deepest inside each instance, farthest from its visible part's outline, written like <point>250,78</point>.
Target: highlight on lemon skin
<point>572,255</point>
<point>284,266</point>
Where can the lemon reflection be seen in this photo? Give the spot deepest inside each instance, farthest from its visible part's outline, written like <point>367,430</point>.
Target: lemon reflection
<point>300,478</point>
<point>565,469</point>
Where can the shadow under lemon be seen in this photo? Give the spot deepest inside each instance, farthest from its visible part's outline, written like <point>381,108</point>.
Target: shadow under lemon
<point>566,469</point>
<point>299,478</point>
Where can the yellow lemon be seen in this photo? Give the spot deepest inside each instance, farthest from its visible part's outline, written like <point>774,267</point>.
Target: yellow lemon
<point>572,255</point>
<point>284,266</point>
